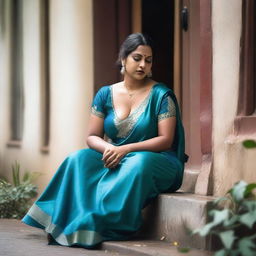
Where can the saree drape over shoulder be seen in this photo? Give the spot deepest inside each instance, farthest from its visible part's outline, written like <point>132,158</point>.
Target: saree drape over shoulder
<point>86,203</point>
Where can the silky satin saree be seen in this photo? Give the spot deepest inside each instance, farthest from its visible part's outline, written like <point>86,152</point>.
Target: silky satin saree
<point>86,203</point>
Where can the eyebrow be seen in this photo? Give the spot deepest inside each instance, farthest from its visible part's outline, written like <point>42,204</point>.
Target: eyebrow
<point>142,55</point>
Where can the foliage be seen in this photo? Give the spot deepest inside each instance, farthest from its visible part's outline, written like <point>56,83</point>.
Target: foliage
<point>249,143</point>
<point>16,199</point>
<point>233,221</point>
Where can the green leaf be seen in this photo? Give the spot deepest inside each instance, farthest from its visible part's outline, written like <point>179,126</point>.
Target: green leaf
<point>222,252</point>
<point>234,253</point>
<point>30,176</point>
<point>231,221</point>
<point>246,247</point>
<point>3,178</point>
<point>248,219</point>
<point>238,190</point>
<point>15,199</point>
<point>227,238</point>
<point>220,199</point>
<point>205,230</point>
<point>249,189</point>
<point>16,173</point>
<point>26,177</point>
<point>249,205</point>
<point>219,216</point>
<point>249,143</point>
<point>183,250</point>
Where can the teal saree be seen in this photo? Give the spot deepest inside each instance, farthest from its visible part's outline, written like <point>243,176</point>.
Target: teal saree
<point>86,203</point>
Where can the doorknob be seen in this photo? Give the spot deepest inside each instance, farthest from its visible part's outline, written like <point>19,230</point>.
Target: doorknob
<point>184,18</point>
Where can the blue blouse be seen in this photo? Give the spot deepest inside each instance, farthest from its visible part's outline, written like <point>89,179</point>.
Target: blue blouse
<point>142,121</point>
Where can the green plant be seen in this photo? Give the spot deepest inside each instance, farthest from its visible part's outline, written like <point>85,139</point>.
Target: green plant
<point>249,144</point>
<point>234,223</point>
<point>15,199</point>
<point>233,219</point>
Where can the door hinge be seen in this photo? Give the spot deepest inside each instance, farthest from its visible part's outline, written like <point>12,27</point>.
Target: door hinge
<point>184,18</point>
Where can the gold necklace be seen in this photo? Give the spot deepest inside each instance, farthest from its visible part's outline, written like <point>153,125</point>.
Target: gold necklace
<point>131,94</point>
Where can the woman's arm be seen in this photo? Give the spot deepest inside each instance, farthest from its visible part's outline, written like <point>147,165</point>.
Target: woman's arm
<point>113,154</point>
<point>164,140</point>
<point>95,134</point>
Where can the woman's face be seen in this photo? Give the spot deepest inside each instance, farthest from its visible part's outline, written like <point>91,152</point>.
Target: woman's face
<point>139,62</point>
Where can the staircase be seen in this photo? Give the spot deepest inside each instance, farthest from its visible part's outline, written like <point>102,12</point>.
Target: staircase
<point>172,217</point>
<point>168,221</point>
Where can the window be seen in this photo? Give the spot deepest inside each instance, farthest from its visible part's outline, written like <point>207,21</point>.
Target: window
<point>45,75</point>
<point>17,94</point>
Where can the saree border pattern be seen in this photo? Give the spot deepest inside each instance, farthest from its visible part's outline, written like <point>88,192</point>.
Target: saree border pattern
<point>96,112</point>
<point>125,126</point>
<point>170,112</point>
<point>81,237</point>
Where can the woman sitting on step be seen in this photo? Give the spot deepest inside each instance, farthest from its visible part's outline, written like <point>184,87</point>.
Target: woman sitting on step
<point>136,151</point>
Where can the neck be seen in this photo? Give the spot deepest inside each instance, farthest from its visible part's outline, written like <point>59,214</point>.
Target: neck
<point>132,84</point>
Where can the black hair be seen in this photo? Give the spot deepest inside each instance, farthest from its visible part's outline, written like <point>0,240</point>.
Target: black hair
<point>131,43</point>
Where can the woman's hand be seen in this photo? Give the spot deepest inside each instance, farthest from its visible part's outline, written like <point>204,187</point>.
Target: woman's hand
<point>113,155</point>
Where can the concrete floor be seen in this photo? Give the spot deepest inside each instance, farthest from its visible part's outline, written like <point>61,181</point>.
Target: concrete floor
<point>18,239</point>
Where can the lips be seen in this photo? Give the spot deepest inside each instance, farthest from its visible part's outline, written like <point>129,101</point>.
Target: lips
<point>141,72</point>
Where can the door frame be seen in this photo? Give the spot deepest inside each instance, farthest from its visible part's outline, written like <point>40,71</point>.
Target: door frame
<point>204,183</point>
<point>196,95</point>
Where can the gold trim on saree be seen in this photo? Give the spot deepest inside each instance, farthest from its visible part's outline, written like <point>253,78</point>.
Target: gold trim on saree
<point>171,110</point>
<point>125,126</point>
<point>82,237</point>
<point>97,113</point>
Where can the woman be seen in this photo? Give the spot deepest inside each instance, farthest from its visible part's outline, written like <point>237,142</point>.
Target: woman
<point>136,151</point>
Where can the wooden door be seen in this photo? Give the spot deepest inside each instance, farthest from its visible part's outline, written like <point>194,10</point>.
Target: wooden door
<point>111,25</point>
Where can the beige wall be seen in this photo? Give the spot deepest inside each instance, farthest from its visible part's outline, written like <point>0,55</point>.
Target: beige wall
<point>71,87</point>
<point>4,85</point>
<point>71,82</point>
<point>232,162</point>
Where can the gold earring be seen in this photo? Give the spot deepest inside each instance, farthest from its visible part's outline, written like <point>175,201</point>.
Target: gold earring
<point>149,74</point>
<point>122,71</point>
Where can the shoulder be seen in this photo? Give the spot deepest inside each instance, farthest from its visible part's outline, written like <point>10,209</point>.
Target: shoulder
<point>103,92</point>
<point>103,89</point>
<point>161,89</point>
<point>101,96</point>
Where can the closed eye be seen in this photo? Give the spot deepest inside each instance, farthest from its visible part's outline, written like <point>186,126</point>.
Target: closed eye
<point>136,58</point>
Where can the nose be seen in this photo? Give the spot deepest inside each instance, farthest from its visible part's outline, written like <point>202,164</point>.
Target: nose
<point>142,63</point>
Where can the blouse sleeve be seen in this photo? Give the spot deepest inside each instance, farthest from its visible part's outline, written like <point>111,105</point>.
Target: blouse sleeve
<point>167,108</point>
<point>98,104</point>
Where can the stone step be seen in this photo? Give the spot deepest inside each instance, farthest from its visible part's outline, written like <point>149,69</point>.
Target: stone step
<point>172,217</point>
<point>189,181</point>
<point>149,248</point>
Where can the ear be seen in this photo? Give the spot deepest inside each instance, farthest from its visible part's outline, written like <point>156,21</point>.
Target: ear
<point>123,62</point>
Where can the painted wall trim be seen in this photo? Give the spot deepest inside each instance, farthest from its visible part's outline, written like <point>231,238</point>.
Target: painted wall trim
<point>204,182</point>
